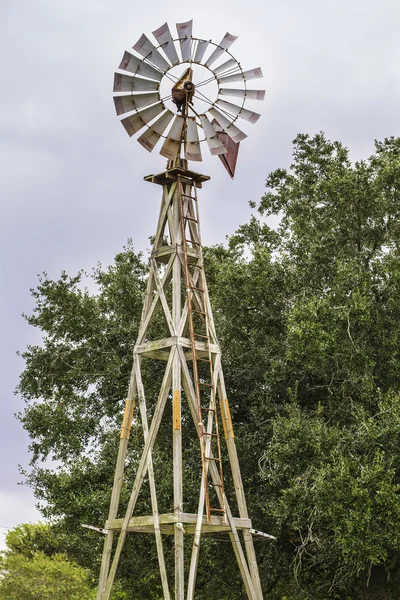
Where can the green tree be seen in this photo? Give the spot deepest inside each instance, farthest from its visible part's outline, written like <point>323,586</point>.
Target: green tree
<point>308,319</point>
<point>36,566</point>
<point>30,574</point>
<point>29,538</point>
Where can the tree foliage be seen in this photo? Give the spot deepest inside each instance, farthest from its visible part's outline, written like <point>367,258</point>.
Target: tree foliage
<point>29,573</point>
<point>308,319</point>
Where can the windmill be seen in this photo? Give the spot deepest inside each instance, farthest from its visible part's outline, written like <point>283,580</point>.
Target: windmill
<point>165,97</point>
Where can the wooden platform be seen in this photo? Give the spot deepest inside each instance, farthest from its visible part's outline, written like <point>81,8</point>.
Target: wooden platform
<point>172,174</point>
<point>157,348</point>
<point>168,520</point>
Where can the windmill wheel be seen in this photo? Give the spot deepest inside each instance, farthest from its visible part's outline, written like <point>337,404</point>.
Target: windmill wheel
<point>184,109</point>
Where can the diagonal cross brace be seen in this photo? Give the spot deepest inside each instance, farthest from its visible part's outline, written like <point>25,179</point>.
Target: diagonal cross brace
<point>141,471</point>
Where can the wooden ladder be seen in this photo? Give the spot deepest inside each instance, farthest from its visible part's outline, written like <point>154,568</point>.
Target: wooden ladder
<point>199,333</point>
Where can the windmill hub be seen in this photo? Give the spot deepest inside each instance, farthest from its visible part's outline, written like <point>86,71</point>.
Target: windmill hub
<point>202,88</point>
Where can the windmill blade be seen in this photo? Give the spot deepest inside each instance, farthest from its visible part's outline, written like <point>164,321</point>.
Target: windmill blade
<point>200,50</point>
<point>234,132</point>
<point>137,121</point>
<point>150,137</point>
<point>229,159</point>
<point>250,94</point>
<point>127,83</point>
<point>164,38</point>
<point>136,65</point>
<point>171,146</point>
<point>245,114</point>
<point>227,66</point>
<point>225,43</point>
<point>124,104</point>
<point>192,148</point>
<point>214,143</point>
<point>185,37</point>
<point>252,74</point>
<point>144,47</point>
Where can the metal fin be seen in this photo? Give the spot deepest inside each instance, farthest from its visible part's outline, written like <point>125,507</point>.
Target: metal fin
<point>144,47</point>
<point>128,83</point>
<point>202,46</point>
<point>229,159</point>
<point>214,143</point>
<point>251,74</point>
<point>225,43</point>
<point>245,114</point>
<point>125,104</point>
<point>227,66</point>
<point>136,65</point>
<point>137,121</point>
<point>250,94</point>
<point>150,137</point>
<point>192,148</point>
<point>171,146</point>
<point>185,37</point>
<point>234,132</point>
<point>164,38</point>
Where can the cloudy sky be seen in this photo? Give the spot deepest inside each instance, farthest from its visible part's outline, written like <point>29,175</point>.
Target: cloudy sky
<point>71,180</point>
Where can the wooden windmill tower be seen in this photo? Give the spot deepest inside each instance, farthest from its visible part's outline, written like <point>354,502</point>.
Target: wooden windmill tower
<point>177,287</point>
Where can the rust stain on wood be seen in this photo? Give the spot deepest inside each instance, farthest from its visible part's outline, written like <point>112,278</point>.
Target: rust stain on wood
<point>226,419</point>
<point>177,409</point>
<point>127,419</point>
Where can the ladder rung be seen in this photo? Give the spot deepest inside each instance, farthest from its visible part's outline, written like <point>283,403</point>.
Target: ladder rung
<point>212,457</point>
<point>217,510</point>
<point>193,287</point>
<point>213,434</point>
<point>199,312</point>
<point>204,360</point>
<point>193,242</point>
<point>191,219</point>
<point>188,196</point>
<point>201,336</point>
<point>207,408</point>
<point>210,385</point>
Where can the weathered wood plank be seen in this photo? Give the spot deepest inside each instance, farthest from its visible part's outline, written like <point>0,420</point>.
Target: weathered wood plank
<point>165,251</point>
<point>163,300</point>
<point>236,543</point>
<point>240,497</point>
<point>116,491</point>
<point>153,299</point>
<point>150,470</point>
<point>174,340</point>
<point>162,219</point>
<point>141,471</point>
<point>217,522</point>
<point>149,346</point>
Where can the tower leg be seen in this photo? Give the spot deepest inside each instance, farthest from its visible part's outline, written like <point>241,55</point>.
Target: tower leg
<point>141,471</point>
<point>237,546</point>
<point>178,491</point>
<point>241,500</point>
<point>176,237</point>
<point>150,470</point>
<point>118,478</point>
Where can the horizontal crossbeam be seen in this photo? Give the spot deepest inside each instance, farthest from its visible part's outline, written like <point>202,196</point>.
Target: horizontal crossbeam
<point>146,524</point>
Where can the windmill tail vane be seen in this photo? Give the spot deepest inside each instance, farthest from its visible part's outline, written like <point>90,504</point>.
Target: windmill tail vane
<point>164,93</point>
<point>185,110</point>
